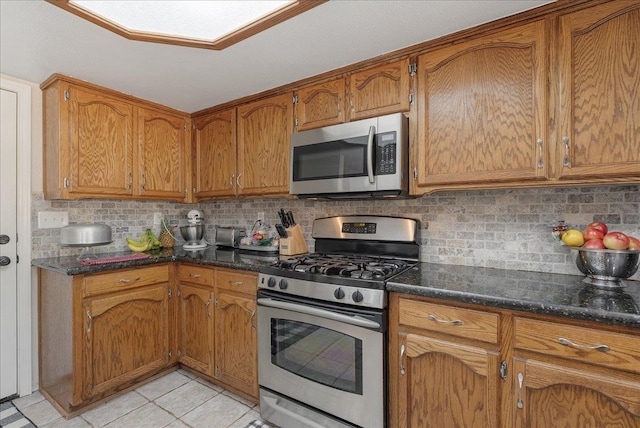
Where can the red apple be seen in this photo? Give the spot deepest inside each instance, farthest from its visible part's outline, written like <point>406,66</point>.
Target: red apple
<point>594,243</point>
<point>634,244</point>
<point>616,241</point>
<point>592,233</point>
<point>599,225</point>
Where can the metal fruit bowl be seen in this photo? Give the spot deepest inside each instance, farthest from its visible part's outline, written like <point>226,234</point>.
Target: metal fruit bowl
<point>192,233</point>
<point>606,268</point>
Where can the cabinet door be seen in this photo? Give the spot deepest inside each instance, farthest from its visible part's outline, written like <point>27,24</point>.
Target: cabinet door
<point>380,90</point>
<point>482,107</point>
<point>553,395</point>
<point>599,86</point>
<point>236,344</point>
<point>319,105</point>
<point>161,155</point>
<point>196,328</point>
<point>215,154</point>
<point>445,384</point>
<point>126,336</point>
<point>264,132</point>
<point>100,144</point>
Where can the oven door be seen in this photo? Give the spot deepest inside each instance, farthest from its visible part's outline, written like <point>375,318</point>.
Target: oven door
<point>327,357</point>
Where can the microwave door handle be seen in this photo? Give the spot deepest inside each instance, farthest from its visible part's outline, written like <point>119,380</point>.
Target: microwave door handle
<point>322,313</point>
<point>372,133</point>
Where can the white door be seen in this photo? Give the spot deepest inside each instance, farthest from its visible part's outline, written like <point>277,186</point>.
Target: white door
<point>8,249</point>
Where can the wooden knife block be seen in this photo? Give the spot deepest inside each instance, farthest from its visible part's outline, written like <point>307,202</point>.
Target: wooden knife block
<point>294,243</point>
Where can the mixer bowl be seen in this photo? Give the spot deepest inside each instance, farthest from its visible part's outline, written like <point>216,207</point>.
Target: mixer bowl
<point>192,233</point>
<point>607,267</point>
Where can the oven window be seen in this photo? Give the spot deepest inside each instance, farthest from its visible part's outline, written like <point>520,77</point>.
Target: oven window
<point>334,159</point>
<point>321,355</point>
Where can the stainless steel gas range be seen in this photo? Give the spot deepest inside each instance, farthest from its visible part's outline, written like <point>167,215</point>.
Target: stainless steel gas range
<point>322,323</point>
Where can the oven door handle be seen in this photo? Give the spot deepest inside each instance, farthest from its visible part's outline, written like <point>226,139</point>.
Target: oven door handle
<point>310,310</point>
<point>372,133</point>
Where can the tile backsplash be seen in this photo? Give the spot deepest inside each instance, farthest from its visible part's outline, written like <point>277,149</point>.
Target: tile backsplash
<point>507,229</point>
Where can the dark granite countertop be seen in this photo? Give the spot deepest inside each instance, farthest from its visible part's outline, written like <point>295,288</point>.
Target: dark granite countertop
<point>211,256</point>
<point>542,293</point>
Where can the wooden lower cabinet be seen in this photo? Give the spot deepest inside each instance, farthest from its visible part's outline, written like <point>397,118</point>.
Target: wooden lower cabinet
<point>553,394</point>
<point>127,337</point>
<point>196,327</point>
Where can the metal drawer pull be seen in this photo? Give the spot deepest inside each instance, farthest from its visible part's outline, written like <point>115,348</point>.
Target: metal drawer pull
<point>194,275</point>
<point>539,143</point>
<point>520,379</point>
<point>125,281</point>
<point>565,161</point>
<point>402,349</point>
<point>567,342</point>
<point>231,282</point>
<point>452,322</point>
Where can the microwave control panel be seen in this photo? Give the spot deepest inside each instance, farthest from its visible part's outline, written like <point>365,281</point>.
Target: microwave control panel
<point>386,153</point>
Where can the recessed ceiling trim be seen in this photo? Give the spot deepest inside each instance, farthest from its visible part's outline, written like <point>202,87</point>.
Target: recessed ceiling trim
<point>282,14</point>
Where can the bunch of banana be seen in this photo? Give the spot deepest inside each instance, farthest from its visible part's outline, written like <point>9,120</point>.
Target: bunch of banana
<point>148,241</point>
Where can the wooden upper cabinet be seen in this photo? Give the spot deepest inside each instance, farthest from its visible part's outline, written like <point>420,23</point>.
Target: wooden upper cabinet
<point>599,82</point>
<point>482,110</point>
<point>322,104</point>
<point>380,90</point>
<point>264,132</point>
<point>214,154</point>
<point>162,145</point>
<point>94,147</point>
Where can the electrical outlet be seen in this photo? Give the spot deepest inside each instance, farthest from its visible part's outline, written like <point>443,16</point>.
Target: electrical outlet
<point>157,218</point>
<point>261,216</point>
<point>52,219</point>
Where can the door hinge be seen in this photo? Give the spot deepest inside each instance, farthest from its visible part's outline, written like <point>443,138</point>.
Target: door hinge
<point>186,191</point>
<point>296,122</point>
<point>67,95</point>
<point>170,293</point>
<point>411,98</point>
<point>217,371</point>
<point>413,69</point>
<point>503,370</point>
<point>295,100</point>
<point>179,293</point>
<point>179,354</point>
<point>17,258</point>
<point>65,182</point>
<point>215,301</point>
<point>170,354</point>
<point>415,173</point>
<point>185,126</point>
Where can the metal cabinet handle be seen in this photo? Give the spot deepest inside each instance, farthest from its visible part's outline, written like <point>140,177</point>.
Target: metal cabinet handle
<point>253,314</point>
<point>520,380</point>
<point>5,261</point>
<point>231,282</point>
<point>565,161</point>
<point>402,350</point>
<point>126,281</point>
<point>130,185</point>
<point>194,275</point>
<point>567,342</point>
<point>207,305</point>
<point>539,143</point>
<point>89,321</point>
<point>441,321</point>
<point>232,181</point>
<point>238,181</point>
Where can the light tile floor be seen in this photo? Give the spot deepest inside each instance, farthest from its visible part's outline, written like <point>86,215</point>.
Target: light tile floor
<point>177,400</point>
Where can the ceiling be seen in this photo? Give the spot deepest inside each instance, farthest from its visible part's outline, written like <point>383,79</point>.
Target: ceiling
<point>38,39</point>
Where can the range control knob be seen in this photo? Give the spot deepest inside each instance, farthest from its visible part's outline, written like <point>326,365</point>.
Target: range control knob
<point>271,282</point>
<point>357,297</point>
<point>283,284</point>
<point>338,294</point>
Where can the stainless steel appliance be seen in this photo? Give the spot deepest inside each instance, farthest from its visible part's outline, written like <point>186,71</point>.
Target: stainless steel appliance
<point>229,236</point>
<point>362,159</point>
<point>322,323</point>
<point>193,232</point>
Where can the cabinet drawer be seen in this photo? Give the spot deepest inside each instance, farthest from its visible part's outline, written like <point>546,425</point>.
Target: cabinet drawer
<point>195,275</point>
<point>124,279</point>
<point>459,322</point>
<point>239,281</point>
<point>616,350</point>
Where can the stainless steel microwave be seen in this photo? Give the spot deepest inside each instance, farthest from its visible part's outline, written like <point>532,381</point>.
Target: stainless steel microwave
<point>362,159</point>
